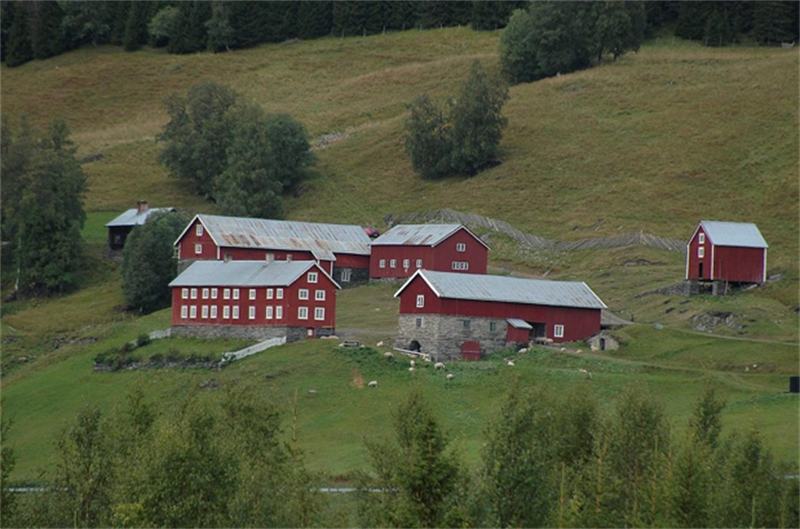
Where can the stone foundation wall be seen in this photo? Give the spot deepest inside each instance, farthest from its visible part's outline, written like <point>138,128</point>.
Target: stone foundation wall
<point>442,336</point>
<point>357,276</point>
<point>292,334</point>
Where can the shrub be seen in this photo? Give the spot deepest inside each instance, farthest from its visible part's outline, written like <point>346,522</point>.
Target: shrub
<point>173,355</point>
<point>127,347</point>
<point>142,340</point>
<point>157,358</point>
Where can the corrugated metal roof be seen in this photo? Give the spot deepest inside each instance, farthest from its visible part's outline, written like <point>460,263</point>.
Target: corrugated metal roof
<point>322,239</point>
<point>133,218</point>
<point>480,287</point>
<point>744,234</point>
<point>242,274</point>
<point>519,324</point>
<point>417,234</point>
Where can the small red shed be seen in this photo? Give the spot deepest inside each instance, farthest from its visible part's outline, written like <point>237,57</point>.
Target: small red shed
<point>406,248</point>
<point>727,251</point>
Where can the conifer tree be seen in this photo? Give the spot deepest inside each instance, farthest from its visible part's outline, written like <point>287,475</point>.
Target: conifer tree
<point>189,27</point>
<point>19,49</point>
<point>774,21</point>
<point>435,14</point>
<point>314,19</point>
<point>119,20</point>
<point>49,37</point>
<point>6,21</point>
<point>219,30</point>
<point>136,26</point>
<point>401,14</point>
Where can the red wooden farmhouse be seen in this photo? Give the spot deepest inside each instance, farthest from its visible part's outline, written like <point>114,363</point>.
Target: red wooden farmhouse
<point>727,251</point>
<point>406,248</point>
<point>342,250</point>
<point>451,315</point>
<point>254,299</point>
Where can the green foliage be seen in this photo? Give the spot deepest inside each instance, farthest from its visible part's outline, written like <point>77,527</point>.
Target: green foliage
<point>136,26</point>
<point>706,423</point>
<point>48,36</point>
<point>427,139</point>
<point>775,22</point>
<point>148,264</point>
<point>19,45</point>
<point>188,28</point>
<point>492,15</point>
<point>163,25</point>
<point>219,30</point>
<point>7,461</point>
<point>119,18</point>
<point>620,27</point>
<point>86,22</point>
<point>314,19</point>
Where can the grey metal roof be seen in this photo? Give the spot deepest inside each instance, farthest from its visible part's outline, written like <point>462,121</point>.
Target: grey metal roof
<point>480,287</point>
<point>243,273</point>
<point>744,234</point>
<point>321,239</point>
<point>519,324</point>
<point>133,218</point>
<point>417,234</point>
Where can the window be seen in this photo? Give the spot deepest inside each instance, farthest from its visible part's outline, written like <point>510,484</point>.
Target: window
<point>492,325</point>
<point>213,311</point>
<point>204,311</point>
<point>193,312</point>
<point>393,263</point>
<point>226,312</point>
<point>558,331</point>
<point>346,272</point>
<point>312,277</point>
<point>319,314</point>
<point>419,322</point>
<point>269,313</point>
<point>184,312</point>
<point>701,251</point>
<point>198,249</point>
<point>199,230</point>
<point>465,324</point>
<point>214,293</point>
<point>382,263</point>
<point>269,257</point>
<point>184,293</point>
<point>252,313</point>
<point>252,293</point>
<point>288,258</point>
<point>406,263</point>
<point>176,252</point>
<point>194,293</point>
<point>236,313</point>
<point>279,293</point>
<point>270,293</point>
<point>310,333</point>
<point>319,295</point>
<point>701,238</point>
<point>302,313</point>
<point>420,301</point>
<point>278,313</point>
<point>235,293</point>
<point>302,293</point>
<point>419,263</point>
<point>228,257</point>
<point>460,265</point>
<point>461,247</point>
<point>226,294</point>
<point>205,293</point>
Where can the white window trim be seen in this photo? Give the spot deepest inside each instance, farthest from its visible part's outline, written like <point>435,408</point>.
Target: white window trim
<point>279,312</point>
<point>270,312</point>
<point>419,263</point>
<point>319,295</point>
<point>420,301</point>
<point>319,314</point>
<point>235,293</point>
<point>213,311</point>
<point>393,263</point>
<point>251,313</point>
<point>198,249</point>
<point>194,293</point>
<point>346,273</point>
<point>252,293</point>
<point>701,252</point>
<point>701,238</point>
<point>184,293</point>
<point>199,230</point>
<point>184,312</point>
<point>558,331</point>
<point>236,312</point>
<point>406,263</point>
<point>226,312</point>
<point>302,313</point>
<point>226,293</point>
<point>214,293</point>
<point>302,294</point>
<point>382,263</point>
<point>279,293</point>
<point>205,293</point>
<point>193,312</point>
<point>461,247</point>
<point>270,293</point>
<point>204,312</point>
<point>313,277</point>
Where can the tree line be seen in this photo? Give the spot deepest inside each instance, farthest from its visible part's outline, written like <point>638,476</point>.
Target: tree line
<point>546,461</point>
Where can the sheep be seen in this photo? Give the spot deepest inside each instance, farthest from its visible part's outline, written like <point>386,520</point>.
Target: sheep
<point>411,368</point>
<point>586,372</point>
<point>579,351</point>
<point>379,344</point>
<point>373,384</point>
<point>427,358</point>
<point>523,350</point>
<point>511,363</point>
<point>563,349</point>
<point>438,365</point>
<point>450,376</point>
<point>413,364</point>
<point>388,355</point>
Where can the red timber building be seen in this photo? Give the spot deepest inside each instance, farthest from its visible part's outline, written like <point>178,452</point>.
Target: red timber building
<point>254,299</point>
<point>341,250</point>
<point>460,315</point>
<point>406,248</point>
<point>735,252</point>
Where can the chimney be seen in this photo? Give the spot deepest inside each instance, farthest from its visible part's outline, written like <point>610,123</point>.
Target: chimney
<point>141,207</point>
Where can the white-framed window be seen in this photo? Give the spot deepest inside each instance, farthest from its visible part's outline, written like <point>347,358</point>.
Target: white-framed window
<point>419,263</point>
<point>184,293</point>
<point>279,293</point>
<point>236,312</point>
<point>228,257</point>
<point>558,331</point>
<point>406,263</point>
<point>194,293</point>
<point>701,238</point>
<point>213,311</point>
<point>176,252</point>
<point>302,293</point>
<point>226,312</point>
<point>393,263</point>
<point>214,292</point>
<point>199,230</point>
<point>235,293</point>
<point>461,247</point>
<point>270,293</point>
<point>302,313</point>
<point>319,314</point>
<point>252,293</point>
<point>198,249</point>
<point>226,294</point>
<point>319,295</point>
<point>204,311</point>
<point>205,293</point>
<point>193,312</point>
<point>310,333</point>
<point>252,313</point>
<point>279,312</point>
<point>184,312</point>
<point>701,251</point>
<point>420,301</point>
<point>288,258</point>
<point>270,311</point>
<point>346,273</point>
<point>269,257</point>
<point>312,277</point>
<point>460,265</point>
<point>382,263</point>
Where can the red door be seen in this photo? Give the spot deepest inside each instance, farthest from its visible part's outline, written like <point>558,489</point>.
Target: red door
<point>471,351</point>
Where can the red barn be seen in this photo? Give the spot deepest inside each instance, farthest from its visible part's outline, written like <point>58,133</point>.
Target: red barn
<point>447,314</point>
<point>406,248</point>
<point>342,250</point>
<point>727,251</point>
<point>254,299</point>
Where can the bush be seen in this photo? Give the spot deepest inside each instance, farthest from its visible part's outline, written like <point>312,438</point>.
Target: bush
<point>142,340</point>
<point>127,347</point>
<point>157,358</point>
<point>173,355</point>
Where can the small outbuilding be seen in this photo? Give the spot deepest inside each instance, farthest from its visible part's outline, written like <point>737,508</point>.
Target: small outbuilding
<point>121,227</point>
<point>735,252</point>
<point>406,248</point>
<point>604,341</point>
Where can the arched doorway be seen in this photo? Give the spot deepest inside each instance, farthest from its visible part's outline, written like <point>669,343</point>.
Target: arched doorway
<point>414,346</point>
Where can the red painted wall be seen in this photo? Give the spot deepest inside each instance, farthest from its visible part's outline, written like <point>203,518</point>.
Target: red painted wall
<point>579,324</point>
<point>439,257</point>
<point>518,335</point>
<point>730,263</point>
<point>693,270</point>
<point>290,304</point>
<point>190,238</point>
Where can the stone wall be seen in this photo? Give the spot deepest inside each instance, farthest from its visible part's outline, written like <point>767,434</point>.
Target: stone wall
<point>261,333</point>
<point>442,336</point>
<point>357,276</point>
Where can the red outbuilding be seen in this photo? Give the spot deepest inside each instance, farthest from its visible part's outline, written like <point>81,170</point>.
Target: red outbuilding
<point>342,250</point>
<point>254,299</point>
<point>727,251</point>
<point>446,314</point>
<point>406,248</point>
